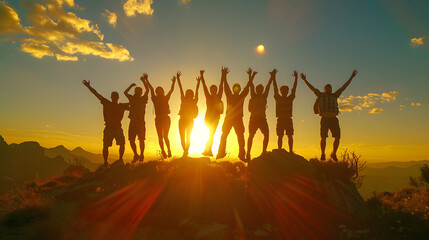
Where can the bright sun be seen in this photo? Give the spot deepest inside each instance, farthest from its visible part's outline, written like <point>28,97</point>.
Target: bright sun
<point>260,49</point>
<point>200,135</point>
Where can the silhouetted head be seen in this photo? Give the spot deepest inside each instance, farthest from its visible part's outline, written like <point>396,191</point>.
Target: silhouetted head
<point>189,94</point>
<point>284,90</point>
<point>259,89</point>
<point>236,88</point>
<point>159,91</point>
<point>213,89</point>
<point>114,96</point>
<point>138,91</point>
<point>328,88</point>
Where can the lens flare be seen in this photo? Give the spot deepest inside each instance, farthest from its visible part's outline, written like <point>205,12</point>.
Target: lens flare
<point>260,49</point>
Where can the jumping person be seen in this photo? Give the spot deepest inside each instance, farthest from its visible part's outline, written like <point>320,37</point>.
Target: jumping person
<point>137,126</point>
<point>234,115</point>
<point>188,112</point>
<point>257,107</point>
<point>162,110</point>
<point>113,112</point>
<point>214,110</point>
<point>284,111</point>
<point>327,106</point>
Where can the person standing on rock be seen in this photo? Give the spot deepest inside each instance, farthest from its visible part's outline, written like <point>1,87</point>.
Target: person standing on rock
<point>257,107</point>
<point>137,125</point>
<point>284,111</point>
<point>234,115</point>
<point>162,110</point>
<point>327,107</point>
<point>113,112</point>
<point>188,112</point>
<point>214,106</point>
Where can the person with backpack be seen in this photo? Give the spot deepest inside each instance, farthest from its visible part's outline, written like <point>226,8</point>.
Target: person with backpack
<point>162,111</point>
<point>113,112</point>
<point>214,110</point>
<point>257,107</point>
<point>326,106</point>
<point>137,125</point>
<point>284,111</point>
<point>188,112</point>
<point>234,115</point>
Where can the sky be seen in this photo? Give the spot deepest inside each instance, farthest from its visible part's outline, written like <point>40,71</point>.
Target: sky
<point>47,47</point>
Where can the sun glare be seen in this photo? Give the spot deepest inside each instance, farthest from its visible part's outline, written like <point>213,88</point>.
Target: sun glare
<point>260,49</point>
<point>200,135</point>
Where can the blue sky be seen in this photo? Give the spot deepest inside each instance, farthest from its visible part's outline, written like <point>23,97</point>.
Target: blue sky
<point>42,99</point>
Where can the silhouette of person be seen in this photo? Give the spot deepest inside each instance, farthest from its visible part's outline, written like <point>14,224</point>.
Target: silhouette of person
<point>214,110</point>
<point>234,115</point>
<point>257,107</point>
<point>162,111</point>
<point>327,105</point>
<point>188,112</point>
<point>113,112</point>
<point>284,111</point>
<point>137,125</point>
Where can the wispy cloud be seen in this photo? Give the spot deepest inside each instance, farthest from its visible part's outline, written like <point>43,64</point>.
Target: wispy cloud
<point>53,31</point>
<point>416,104</point>
<point>9,19</point>
<point>134,7</point>
<point>416,42</point>
<point>112,18</point>
<point>352,103</point>
<point>376,110</point>
<point>183,2</point>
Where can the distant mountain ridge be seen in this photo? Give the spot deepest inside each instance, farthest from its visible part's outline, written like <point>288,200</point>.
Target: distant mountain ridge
<point>90,160</point>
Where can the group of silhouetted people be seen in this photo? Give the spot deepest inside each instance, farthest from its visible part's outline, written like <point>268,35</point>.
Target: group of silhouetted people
<point>326,106</point>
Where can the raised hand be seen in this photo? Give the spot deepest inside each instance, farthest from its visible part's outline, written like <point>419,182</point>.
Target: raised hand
<point>178,74</point>
<point>86,83</point>
<point>303,77</point>
<point>198,79</point>
<point>249,71</point>
<point>295,74</point>
<point>173,79</point>
<point>202,72</point>
<point>225,70</point>
<point>354,73</point>
<point>133,85</point>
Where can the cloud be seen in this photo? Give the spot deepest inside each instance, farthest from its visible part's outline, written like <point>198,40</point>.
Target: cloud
<point>112,18</point>
<point>416,42</point>
<point>9,19</point>
<point>133,7</point>
<point>376,110</point>
<point>370,100</point>
<point>183,2</point>
<point>416,104</point>
<point>54,31</point>
<point>37,50</point>
<point>61,57</point>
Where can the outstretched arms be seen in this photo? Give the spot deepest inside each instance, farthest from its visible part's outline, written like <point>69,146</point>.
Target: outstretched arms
<point>145,84</point>
<point>249,83</point>
<point>315,90</point>
<point>182,94</point>
<point>88,85</point>
<point>146,79</point>
<point>340,90</point>
<point>206,91</point>
<point>272,77</point>
<point>220,89</point>
<point>251,86</point>
<point>276,89</point>
<point>196,90</point>
<point>295,83</point>
<point>225,71</point>
<point>173,80</point>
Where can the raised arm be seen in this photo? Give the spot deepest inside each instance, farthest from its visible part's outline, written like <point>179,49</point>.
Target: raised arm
<point>220,89</point>
<point>251,86</point>
<point>339,91</point>
<point>206,91</point>
<point>128,89</point>
<point>145,76</point>
<point>267,88</point>
<point>88,85</point>
<point>182,94</point>
<point>276,89</point>
<point>173,80</point>
<point>196,90</point>
<point>315,90</point>
<point>225,71</point>
<point>152,92</point>
<point>248,85</point>
<point>295,83</point>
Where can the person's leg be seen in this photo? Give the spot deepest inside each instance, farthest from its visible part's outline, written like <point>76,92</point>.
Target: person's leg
<point>252,131</point>
<point>336,133</point>
<point>289,133</point>
<point>159,132</point>
<point>266,131</point>
<point>336,144</point>
<point>120,140</point>
<point>107,142</point>
<point>189,128</point>
<point>121,151</point>
<point>105,153</point>
<point>142,138</point>
<point>132,138</point>
<point>165,132</point>
<point>226,128</point>
<point>239,130</point>
<point>290,141</point>
<point>212,125</point>
<point>323,135</point>
<point>182,132</point>
<point>322,147</point>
